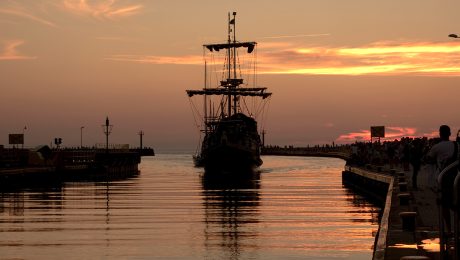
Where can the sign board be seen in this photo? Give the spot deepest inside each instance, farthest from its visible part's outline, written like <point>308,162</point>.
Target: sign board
<point>16,138</point>
<point>377,131</point>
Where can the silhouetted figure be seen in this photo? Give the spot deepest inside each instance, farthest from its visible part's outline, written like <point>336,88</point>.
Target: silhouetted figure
<point>416,154</point>
<point>444,153</point>
<point>406,156</point>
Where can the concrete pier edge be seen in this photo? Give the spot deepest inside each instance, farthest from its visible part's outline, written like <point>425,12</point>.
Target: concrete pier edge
<point>381,243</point>
<point>381,240</point>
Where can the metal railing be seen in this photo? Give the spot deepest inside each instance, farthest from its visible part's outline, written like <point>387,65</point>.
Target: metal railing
<point>443,236</point>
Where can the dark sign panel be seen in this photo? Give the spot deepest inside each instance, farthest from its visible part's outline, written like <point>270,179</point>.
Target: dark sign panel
<point>377,131</point>
<point>16,138</point>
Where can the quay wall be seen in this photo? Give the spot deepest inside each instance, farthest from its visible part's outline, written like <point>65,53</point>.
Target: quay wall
<point>71,165</point>
<point>373,184</point>
<point>379,186</point>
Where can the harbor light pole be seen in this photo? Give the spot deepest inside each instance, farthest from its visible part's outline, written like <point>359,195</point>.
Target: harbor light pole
<point>141,133</point>
<point>107,128</point>
<point>23,133</point>
<point>81,136</point>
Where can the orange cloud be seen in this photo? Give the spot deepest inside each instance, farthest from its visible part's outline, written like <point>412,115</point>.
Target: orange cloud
<point>361,136</point>
<point>382,58</point>
<point>391,133</point>
<point>28,15</point>
<point>10,52</point>
<point>101,9</point>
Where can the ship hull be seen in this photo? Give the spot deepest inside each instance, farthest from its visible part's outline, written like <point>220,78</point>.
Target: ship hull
<point>234,146</point>
<point>230,159</point>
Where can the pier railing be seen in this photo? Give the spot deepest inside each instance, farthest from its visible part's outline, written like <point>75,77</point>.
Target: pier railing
<point>444,243</point>
<point>449,242</point>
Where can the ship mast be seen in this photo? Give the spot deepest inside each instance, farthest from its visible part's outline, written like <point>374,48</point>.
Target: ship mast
<point>205,97</point>
<point>235,99</point>
<point>230,88</point>
<point>231,56</point>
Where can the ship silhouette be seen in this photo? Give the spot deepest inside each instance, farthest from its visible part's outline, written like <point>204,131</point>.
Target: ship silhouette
<point>231,139</point>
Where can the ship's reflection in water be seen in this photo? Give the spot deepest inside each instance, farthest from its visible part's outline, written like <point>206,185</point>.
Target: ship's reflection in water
<point>231,207</point>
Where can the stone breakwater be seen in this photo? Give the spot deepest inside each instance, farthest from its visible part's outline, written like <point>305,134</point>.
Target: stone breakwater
<point>409,222</point>
<point>50,166</point>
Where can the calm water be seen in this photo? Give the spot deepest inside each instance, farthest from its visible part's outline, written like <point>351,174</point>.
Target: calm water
<point>297,209</point>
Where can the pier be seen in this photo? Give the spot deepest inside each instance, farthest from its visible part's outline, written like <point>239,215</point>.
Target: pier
<point>409,225</point>
<point>342,152</point>
<point>409,222</point>
<point>45,165</point>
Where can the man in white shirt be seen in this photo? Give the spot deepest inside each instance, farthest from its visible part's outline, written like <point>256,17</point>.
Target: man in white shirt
<point>444,153</point>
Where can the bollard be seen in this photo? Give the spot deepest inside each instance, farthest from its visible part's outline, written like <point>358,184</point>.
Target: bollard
<point>404,199</point>
<point>403,186</point>
<point>408,220</point>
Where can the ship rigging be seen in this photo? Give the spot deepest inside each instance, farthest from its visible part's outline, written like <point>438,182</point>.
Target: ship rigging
<point>229,122</point>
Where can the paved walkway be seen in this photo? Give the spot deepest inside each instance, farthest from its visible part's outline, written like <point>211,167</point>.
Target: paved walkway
<point>424,240</point>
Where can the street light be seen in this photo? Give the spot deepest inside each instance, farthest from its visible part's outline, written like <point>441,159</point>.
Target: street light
<point>107,128</point>
<point>81,136</point>
<point>23,132</point>
<point>141,133</point>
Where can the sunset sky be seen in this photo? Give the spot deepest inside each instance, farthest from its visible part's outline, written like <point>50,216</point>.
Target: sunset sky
<point>335,68</point>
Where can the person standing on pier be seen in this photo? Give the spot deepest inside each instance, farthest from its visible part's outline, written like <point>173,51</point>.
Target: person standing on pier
<point>444,153</point>
<point>415,156</point>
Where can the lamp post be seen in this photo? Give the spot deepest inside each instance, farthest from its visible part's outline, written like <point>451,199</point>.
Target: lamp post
<point>107,128</point>
<point>141,134</point>
<point>23,132</point>
<point>81,137</point>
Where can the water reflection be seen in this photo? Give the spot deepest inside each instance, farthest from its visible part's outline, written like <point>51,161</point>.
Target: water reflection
<point>231,208</point>
<point>364,204</point>
<point>13,203</point>
<point>170,212</point>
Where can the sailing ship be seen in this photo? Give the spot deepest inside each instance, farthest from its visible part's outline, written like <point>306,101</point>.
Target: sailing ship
<point>231,139</point>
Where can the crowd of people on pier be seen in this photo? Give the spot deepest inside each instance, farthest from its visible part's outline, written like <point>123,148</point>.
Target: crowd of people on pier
<point>404,152</point>
<point>407,152</point>
<point>440,151</point>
